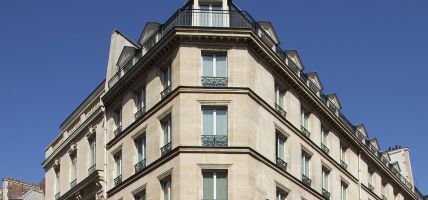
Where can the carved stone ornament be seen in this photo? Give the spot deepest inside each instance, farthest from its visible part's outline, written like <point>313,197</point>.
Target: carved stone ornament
<point>91,132</point>
<point>73,149</point>
<point>57,164</point>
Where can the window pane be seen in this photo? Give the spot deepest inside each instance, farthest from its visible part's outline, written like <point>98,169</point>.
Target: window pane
<point>221,185</point>
<point>281,147</point>
<point>208,128</point>
<point>281,99</point>
<point>221,64</point>
<point>208,185</point>
<point>221,126</point>
<point>207,66</point>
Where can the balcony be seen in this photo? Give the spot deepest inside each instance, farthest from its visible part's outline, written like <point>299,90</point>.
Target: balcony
<point>117,180</point>
<point>280,110</point>
<point>325,148</point>
<point>208,81</point>
<point>140,112</point>
<point>140,165</point>
<point>306,181</point>
<point>166,92</point>
<point>214,140</point>
<point>92,169</point>
<point>118,131</point>
<point>281,164</point>
<point>343,164</point>
<point>166,149</point>
<point>305,132</point>
<point>57,196</point>
<point>325,194</point>
<point>370,186</point>
<point>73,183</point>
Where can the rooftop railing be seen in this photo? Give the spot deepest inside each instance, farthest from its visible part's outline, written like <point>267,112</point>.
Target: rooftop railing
<point>237,20</point>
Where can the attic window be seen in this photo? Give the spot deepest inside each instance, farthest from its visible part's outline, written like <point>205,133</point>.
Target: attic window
<point>127,53</point>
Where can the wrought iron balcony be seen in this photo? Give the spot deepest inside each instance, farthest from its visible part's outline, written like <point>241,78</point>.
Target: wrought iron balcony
<point>73,183</point>
<point>280,110</point>
<point>343,164</point>
<point>117,180</point>
<point>57,196</point>
<point>166,92</point>
<point>140,165</point>
<point>384,197</point>
<point>140,112</point>
<point>214,140</point>
<point>118,131</point>
<point>305,132</point>
<point>370,186</point>
<point>92,169</point>
<point>306,180</point>
<point>166,149</point>
<point>208,81</point>
<point>325,193</point>
<point>281,164</point>
<point>325,148</point>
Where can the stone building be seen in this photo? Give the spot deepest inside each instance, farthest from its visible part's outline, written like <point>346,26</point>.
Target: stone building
<point>208,106</point>
<point>14,189</point>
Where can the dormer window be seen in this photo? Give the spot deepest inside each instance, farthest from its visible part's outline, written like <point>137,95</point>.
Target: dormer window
<point>211,15</point>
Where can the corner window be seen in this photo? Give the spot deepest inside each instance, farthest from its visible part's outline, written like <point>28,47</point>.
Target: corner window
<point>215,185</point>
<point>214,70</point>
<point>214,127</point>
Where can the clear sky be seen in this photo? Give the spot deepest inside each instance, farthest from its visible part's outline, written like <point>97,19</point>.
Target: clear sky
<point>373,54</point>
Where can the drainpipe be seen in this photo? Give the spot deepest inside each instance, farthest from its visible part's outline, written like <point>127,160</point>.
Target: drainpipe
<point>105,150</point>
<point>359,174</point>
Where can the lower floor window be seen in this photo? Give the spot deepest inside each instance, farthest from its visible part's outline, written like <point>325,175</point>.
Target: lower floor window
<point>280,195</point>
<point>166,187</point>
<point>215,185</point>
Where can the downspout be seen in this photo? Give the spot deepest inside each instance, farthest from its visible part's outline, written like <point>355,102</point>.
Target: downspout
<point>359,174</point>
<point>105,150</point>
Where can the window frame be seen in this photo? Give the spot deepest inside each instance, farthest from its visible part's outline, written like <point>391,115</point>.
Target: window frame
<point>213,56</point>
<point>214,119</point>
<point>214,182</point>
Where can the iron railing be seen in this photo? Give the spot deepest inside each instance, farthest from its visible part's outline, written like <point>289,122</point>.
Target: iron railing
<point>306,181</point>
<point>370,186</point>
<point>384,197</point>
<point>166,92</point>
<point>140,165</point>
<point>233,19</point>
<point>166,149</point>
<point>208,81</point>
<point>117,180</point>
<point>214,140</point>
<point>281,164</point>
<point>118,131</point>
<point>73,183</point>
<point>57,196</point>
<point>343,164</point>
<point>280,110</point>
<point>92,169</point>
<point>325,193</point>
<point>140,112</point>
<point>305,132</point>
<point>325,148</point>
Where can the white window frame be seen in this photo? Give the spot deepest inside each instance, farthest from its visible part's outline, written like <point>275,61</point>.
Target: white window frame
<point>118,164</point>
<point>343,191</point>
<point>325,175</point>
<point>279,137</point>
<point>214,60</point>
<point>166,188</point>
<point>210,12</point>
<point>280,194</point>
<point>92,152</point>
<point>57,181</point>
<point>140,98</point>
<point>141,141</point>
<point>118,118</point>
<point>306,164</point>
<point>166,77</point>
<point>73,167</point>
<point>278,94</point>
<point>214,122</point>
<point>343,151</point>
<point>305,119</point>
<point>324,137</point>
<point>168,123</point>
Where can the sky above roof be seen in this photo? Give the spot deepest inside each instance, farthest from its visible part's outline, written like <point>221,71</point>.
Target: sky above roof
<point>371,53</point>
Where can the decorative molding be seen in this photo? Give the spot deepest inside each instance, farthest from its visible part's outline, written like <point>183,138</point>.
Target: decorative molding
<point>73,150</point>
<point>166,174</point>
<point>91,132</point>
<point>139,133</point>
<point>165,113</point>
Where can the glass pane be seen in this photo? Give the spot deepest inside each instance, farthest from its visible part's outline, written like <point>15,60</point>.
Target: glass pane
<point>207,66</point>
<point>208,122</point>
<point>221,185</point>
<point>208,185</point>
<point>221,66</point>
<point>281,99</point>
<point>281,147</point>
<point>221,126</point>
<point>204,16</point>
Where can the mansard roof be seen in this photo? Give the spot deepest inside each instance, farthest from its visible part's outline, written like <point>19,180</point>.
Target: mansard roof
<point>315,79</point>
<point>335,100</point>
<point>362,129</point>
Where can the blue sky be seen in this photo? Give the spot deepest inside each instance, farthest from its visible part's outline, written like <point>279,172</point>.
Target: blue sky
<point>371,53</point>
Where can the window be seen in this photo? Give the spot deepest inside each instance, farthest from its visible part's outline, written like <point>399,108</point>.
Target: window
<point>325,174</point>
<point>383,190</point>
<point>140,102</point>
<point>118,121</point>
<point>140,144</point>
<point>166,77</point>
<point>279,97</point>
<point>73,169</point>
<point>57,182</point>
<point>167,134</point>
<point>141,196</point>
<point>280,151</point>
<point>343,150</point>
<point>215,185</point>
<point>324,140</point>
<point>304,123</point>
<point>166,189</point>
<point>214,70</point>
<point>280,194</point>
<point>211,15</point>
<point>370,179</point>
<point>214,127</point>
<point>343,191</point>
<point>305,164</point>
<point>118,164</point>
<point>92,154</point>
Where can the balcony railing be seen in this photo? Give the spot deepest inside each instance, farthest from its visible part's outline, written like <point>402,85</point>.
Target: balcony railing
<point>166,149</point>
<point>305,132</point>
<point>92,169</point>
<point>384,197</point>
<point>280,110</point>
<point>57,196</point>
<point>166,92</point>
<point>73,183</point>
<point>232,19</point>
<point>325,193</point>
<point>117,180</point>
<point>370,186</point>
<point>118,131</point>
<point>140,165</point>
<point>214,140</point>
<point>208,81</point>
<point>325,148</point>
<point>306,180</point>
<point>281,164</point>
<point>140,112</point>
<point>343,164</point>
